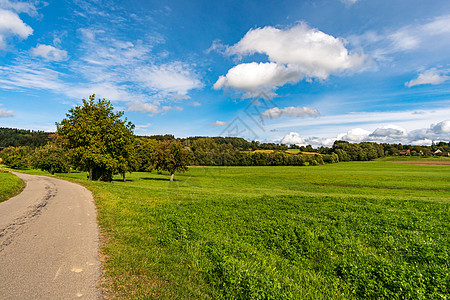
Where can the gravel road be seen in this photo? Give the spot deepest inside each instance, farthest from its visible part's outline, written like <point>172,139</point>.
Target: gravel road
<point>49,242</point>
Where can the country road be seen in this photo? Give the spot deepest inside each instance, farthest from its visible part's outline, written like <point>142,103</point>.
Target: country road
<point>49,242</point>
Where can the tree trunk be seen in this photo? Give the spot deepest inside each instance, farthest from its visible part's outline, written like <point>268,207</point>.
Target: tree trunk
<point>90,174</point>
<point>124,177</point>
<point>171,176</point>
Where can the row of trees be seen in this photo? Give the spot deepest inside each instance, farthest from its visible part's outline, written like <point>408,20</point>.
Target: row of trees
<point>96,139</point>
<point>47,158</point>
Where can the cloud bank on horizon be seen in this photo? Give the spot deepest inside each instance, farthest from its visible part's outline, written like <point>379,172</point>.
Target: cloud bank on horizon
<point>342,69</point>
<point>391,134</point>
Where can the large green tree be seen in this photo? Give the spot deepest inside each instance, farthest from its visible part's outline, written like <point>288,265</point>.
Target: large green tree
<point>98,139</point>
<point>172,157</point>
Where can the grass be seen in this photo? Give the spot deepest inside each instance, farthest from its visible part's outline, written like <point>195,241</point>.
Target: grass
<point>10,185</point>
<point>417,158</point>
<point>350,230</point>
<point>297,151</point>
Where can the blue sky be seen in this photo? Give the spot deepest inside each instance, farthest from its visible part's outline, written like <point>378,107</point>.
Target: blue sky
<point>304,72</point>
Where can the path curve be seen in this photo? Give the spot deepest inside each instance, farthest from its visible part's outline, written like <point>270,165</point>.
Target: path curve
<point>49,242</point>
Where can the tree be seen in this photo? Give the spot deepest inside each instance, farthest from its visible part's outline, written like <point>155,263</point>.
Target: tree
<point>16,157</point>
<point>145,148</point>
<point>170,156</point>
<point>98,140</point>
<point>52,159</point>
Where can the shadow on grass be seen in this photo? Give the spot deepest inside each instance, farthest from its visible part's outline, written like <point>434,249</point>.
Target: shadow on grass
<point>156,179</point>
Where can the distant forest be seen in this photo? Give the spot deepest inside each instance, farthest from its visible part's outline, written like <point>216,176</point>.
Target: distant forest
<point>20,137</point>
<point>235,151</point>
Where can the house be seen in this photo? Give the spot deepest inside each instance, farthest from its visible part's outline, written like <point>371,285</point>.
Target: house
<point>436,151</point>
<point>405,152</point>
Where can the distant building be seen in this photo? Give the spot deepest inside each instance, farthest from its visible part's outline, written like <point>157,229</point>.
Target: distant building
<point>436,151</point>
<point>405,152</point>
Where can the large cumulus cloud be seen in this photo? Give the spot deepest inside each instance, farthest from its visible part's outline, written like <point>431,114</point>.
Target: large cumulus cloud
<point>294,54</point>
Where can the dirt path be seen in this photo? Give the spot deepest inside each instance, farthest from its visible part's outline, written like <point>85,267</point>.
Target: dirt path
<point>49,242</point>
<point>423,162</point>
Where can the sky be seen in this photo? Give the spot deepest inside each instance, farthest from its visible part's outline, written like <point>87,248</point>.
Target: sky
<point>294,72</point>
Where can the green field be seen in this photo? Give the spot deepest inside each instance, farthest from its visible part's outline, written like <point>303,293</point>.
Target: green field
<point>348,230</point>
<point>10,185</point>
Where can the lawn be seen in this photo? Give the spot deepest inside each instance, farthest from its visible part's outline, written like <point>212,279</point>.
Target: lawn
<point>10,185</point>
<point>348,230</point>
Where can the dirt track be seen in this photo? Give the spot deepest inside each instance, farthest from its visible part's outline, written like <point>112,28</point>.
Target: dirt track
<point>424,162</point>
<point>49,242</point>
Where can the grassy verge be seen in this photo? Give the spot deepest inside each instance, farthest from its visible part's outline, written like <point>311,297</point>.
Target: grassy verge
<point>347,230</point>
<point>10,185</point>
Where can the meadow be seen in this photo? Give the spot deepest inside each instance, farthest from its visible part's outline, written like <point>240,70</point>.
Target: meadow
<point>10,185</point>
<point>351,230</point>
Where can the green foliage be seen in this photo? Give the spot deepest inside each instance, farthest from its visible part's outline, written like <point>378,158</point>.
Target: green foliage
<point>170,156</point>
<point>98,139</point>
<point>10,185</point>
<point>357,152</point>
<point>358,230</point>
<point>20,137</point>
<point>16,157</point>
<point>52,159</point>
<point>145,148</point>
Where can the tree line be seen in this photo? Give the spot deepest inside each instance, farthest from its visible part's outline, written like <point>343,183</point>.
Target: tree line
<point>96,139</point>
<point>20,137</point>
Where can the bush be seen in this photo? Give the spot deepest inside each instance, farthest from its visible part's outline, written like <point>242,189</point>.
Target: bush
<point>52,159</point>
<point>16,157</point>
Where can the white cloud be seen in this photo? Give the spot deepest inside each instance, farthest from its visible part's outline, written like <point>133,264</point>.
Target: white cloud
<point>441,127</point>
<point>316,53</point>
<point>131,66</point>
<point>254,78</point>
<point>291,111</point>
<point>144,107</point>
<point>389,132</point>
<point>414,36</point>
<point>294,53</point>
<point>293,138</point>
<point>410,37</point>
<point>440,25</point>
<point>6,113</point>
<point>396,134</point>
<point>216,46</point>
<point>431,76</point>
<point>424,142</point>
<point>49,53</point>
<point>12,25</point>
<point>31,76</point>
<point>19,7</point>
<point>171,79</point>
<point>426,41</point>
<point>403,40</point>
<point>406,126</point>
<point>124,71</point>
<point>355,135</point>
<point>384,134</point>
<point>349,2</point>
<point>219,123</point>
